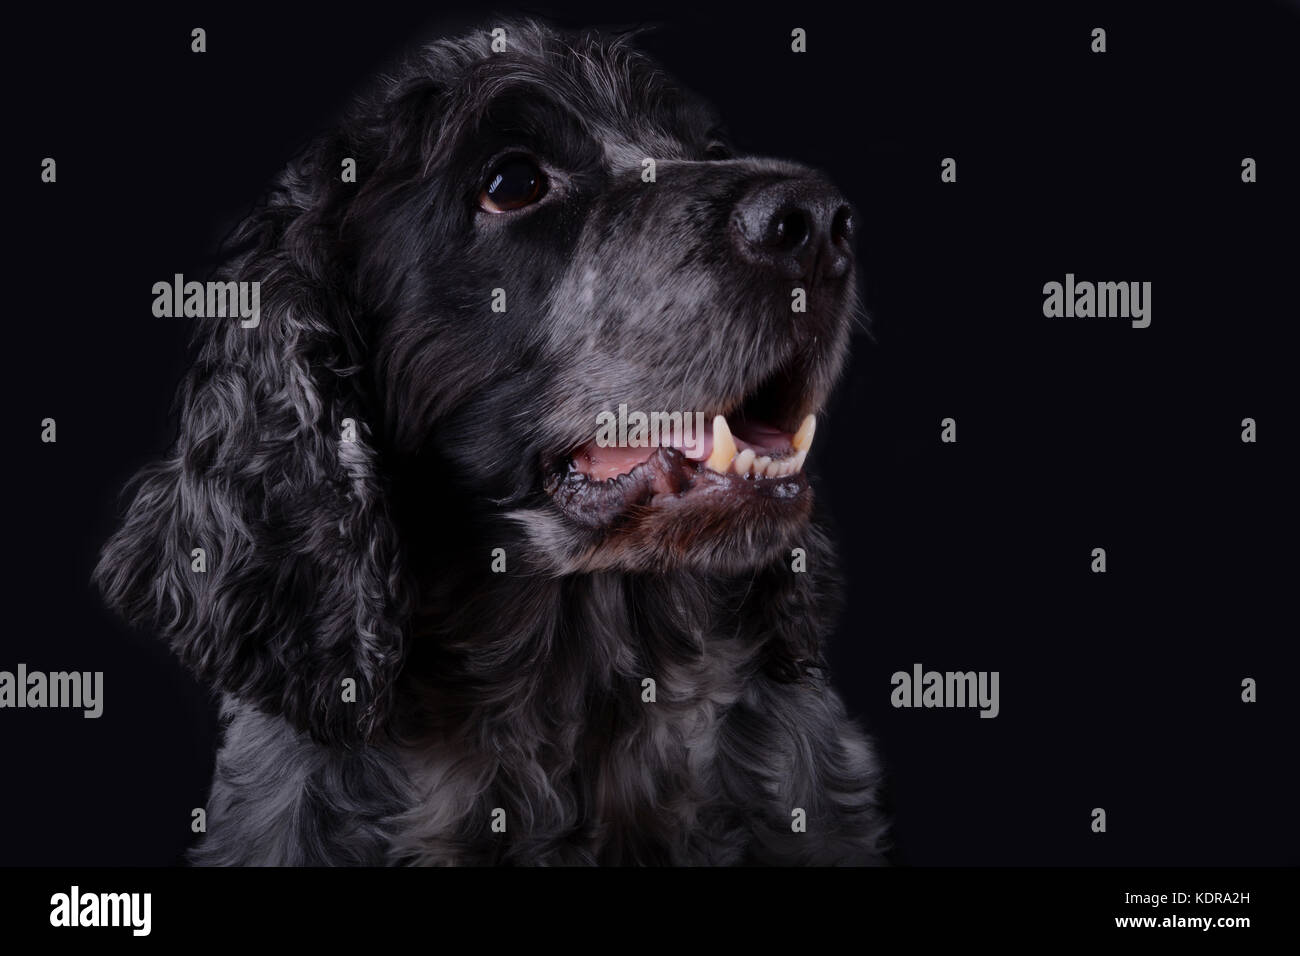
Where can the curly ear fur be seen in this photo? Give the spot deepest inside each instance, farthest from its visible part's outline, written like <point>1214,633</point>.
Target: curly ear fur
<point>304,586</point>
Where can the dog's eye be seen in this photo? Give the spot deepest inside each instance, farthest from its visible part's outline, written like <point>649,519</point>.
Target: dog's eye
<point>717,151</point>
<point>515,182</point>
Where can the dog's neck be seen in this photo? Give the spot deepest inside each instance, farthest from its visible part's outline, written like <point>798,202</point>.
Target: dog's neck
<point>489,643</point>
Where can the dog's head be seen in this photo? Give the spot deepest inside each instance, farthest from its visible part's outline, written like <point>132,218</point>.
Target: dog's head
<point>543,241</point>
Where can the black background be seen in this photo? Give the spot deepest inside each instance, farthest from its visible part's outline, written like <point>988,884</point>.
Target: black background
<point>1119,690</point>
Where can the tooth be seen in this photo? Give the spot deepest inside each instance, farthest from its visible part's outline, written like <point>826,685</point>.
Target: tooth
<point>724,446</point>
<point>803,438</point>
<point>796,463</point>
<point>743,461</point>
<point>760,465</point>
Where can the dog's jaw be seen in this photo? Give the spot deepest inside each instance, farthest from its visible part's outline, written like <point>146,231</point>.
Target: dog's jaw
<point>731,501</point>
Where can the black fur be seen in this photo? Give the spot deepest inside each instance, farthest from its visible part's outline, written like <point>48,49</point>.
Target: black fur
<point>370,559</point>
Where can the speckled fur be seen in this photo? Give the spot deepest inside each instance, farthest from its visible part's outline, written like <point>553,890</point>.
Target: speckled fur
<point>369,560</point>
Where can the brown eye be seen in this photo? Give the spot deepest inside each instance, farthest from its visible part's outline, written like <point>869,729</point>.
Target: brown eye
<point>516,182</point>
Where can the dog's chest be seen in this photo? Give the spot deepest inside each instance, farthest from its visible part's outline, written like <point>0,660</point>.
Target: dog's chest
<point>627,777</point>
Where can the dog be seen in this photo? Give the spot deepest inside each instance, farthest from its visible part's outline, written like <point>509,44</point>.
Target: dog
<point>445,625</point>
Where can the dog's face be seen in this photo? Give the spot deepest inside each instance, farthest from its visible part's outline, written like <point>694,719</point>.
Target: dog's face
<point>639,264</point>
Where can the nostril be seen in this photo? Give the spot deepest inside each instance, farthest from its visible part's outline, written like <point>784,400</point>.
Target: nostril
<point>795,228</point>
<point>843,226</point>
<point>790,230</point>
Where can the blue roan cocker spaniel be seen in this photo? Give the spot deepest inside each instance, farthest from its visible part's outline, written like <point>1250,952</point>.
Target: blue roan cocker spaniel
<point>448,626</point>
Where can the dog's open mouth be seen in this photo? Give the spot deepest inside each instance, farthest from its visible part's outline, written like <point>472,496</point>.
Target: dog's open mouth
<point>751,449</point>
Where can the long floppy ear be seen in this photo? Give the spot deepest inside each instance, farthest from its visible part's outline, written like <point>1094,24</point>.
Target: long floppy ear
<point>302,588</point>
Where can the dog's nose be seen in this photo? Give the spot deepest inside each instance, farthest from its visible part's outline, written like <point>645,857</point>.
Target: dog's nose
<point>798,228</point>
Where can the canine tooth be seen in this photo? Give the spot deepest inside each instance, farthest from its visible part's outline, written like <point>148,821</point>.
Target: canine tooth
<point>724,446</point>
<point>760,465</point>
<point>743,461</point>
<point>803,438</point>
<point>796,463</point>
